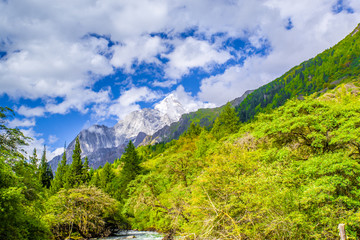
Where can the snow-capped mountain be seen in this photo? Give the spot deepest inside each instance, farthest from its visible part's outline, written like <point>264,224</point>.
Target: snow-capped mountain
<point>171,108</point>
<point>101,143</point>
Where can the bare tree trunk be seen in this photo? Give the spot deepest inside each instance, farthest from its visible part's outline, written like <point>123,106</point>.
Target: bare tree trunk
<point>342,231</point>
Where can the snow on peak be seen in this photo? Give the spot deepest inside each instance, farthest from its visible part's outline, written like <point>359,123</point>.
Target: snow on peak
<point>171,107</point>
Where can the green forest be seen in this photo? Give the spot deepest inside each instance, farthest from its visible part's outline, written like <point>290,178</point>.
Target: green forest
<point>285,164</point>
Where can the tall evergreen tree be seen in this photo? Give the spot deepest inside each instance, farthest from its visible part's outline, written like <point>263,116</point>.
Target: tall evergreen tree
<point>226,123</point>
<point>131,168</point>
<point>106,176</point>
<point>34,159</point>
<point>86,169</point>
<point>45,172</point>
<point>60,175</point>
<point>75,176</point>
<point>193,130</point>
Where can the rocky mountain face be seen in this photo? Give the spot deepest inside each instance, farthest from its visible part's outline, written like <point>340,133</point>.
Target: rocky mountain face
<point>203,117</point>
<point>103,144</point>
<point>167,121</point>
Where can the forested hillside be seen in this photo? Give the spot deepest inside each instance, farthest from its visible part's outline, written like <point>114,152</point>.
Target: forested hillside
<point>291,174</point>
<point>340,63</point>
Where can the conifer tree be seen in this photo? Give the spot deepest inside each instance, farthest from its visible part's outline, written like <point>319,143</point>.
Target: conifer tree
<point>86,168</point>
<point>75,177</point>
<point>106,177</point>
<point>34,160</point>
<point>60,175</point>
<point>194,130</point>
<point>45,172</point>
<point>226,123</point>
<point>130,169</point>
<point>95,180</point>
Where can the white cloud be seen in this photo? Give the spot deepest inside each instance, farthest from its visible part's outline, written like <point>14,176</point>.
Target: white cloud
<point>126,103</point>
<point>52,55</point>
<point>315,29</point>
<point>189,102</point>
<point>31,112</point>
<point>56,152</point>
<point>53,139</point>
<point>165,84</point>
<point>51,69</point>
<point>225,87</point>
<point>77,100</point>
<point>192,53</point>
<point>21,123</point>
<point>143,49</point>
<point>37,142</point>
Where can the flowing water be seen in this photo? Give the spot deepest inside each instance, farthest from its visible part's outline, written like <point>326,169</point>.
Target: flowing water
<point>139,235</point>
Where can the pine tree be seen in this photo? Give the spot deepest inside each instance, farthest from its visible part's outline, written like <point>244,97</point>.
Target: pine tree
<point>60,175</point>
<point>45,172</point>
<point>106,176</point>
<point>86,168</point>
<point>226,123</point>
<point>95,180</point>
<point>34,160</point>
<point>76,174</point>
<point>130,169</point>
<point>193,130</point>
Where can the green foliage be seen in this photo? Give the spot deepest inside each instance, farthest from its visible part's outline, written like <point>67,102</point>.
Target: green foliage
<point>78,172</point>
<point>291,174</point>
<point>76,165</point>
<point>193,130</point>
<point>337,64</point>
<point>20,189</point>
<point>226,123</point>
<point>85,210</point>
<point>131,168</point>
<point>106,176</point>
<point>60,175</point>
<point>10,138</point>
<point>34,159</point>
<point>45,172</point>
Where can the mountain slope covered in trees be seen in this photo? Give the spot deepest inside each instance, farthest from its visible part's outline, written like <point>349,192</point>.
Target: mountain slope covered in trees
<point>291,174</point>
<point>340,63</point>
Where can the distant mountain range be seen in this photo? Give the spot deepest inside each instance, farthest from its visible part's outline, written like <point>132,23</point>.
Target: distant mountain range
<point>103,144</point>
<point>169,119</point>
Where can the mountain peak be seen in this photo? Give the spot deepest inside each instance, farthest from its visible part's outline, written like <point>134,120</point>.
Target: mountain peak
<point>171,107</point>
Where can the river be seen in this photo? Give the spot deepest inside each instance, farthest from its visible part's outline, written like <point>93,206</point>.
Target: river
<point>139,235</point>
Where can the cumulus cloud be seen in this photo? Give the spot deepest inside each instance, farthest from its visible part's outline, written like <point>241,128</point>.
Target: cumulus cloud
<point>38,142</point>
<point>57,52</point>
<point>53,139</point>
<point>314,30</point>
<point>61,49</point>
<point>192,53</point>
<point>56,152</point>
<point>21,123</point>
<point>143,49</point>
<point>127,102</point>
<point>31,112</point>
<point>189,102</point>
<point>234,82</point>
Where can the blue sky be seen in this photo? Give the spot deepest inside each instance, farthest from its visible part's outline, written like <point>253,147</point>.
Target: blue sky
<point>65,65</point>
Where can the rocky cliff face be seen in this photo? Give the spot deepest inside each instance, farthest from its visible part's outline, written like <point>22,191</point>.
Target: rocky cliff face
<point>103,144</point>
<point>203,117</point>
<point>167,121</point>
